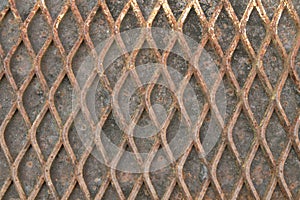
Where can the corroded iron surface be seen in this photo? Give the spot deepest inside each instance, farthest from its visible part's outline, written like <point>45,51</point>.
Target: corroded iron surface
<point>255,46</point>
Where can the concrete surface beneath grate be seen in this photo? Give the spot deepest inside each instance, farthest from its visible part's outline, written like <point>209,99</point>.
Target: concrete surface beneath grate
<point>195,172</point>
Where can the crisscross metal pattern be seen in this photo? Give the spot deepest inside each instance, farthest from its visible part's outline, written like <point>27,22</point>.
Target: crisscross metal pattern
<point>260,154</point>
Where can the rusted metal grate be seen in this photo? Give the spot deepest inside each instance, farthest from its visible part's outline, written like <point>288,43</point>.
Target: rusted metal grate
<point>255,44</point>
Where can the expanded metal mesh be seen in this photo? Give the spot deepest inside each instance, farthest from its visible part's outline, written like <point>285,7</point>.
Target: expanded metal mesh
<point>255,44</point>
